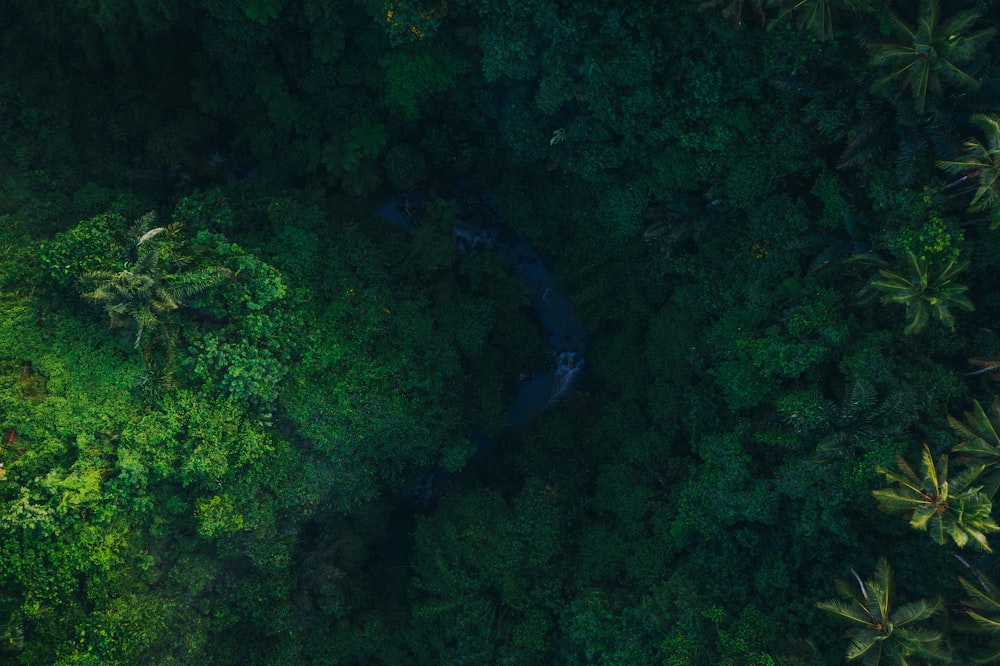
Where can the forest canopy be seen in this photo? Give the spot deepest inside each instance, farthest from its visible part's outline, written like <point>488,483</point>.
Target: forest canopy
<point>284,285</point>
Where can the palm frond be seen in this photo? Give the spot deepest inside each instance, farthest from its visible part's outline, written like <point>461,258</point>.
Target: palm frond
<point>862,645</point>
<point>847,611</point>
<point>983,602</point>
<point>917,611</point>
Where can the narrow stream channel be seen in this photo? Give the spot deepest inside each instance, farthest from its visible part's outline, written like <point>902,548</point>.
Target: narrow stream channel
<point>480,227</point>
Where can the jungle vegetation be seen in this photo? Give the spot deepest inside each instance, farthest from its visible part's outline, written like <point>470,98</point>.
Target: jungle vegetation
<point>227,385</point>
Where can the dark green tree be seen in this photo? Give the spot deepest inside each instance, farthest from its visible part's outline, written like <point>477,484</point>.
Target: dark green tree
<point>925,292</point>
<point>982,606</point>
<point>735,9</point>
<point>979,163</point>
<point>860,419</point>
<point>817,16</point>
<point>979,443</point>
<point>924,58</point>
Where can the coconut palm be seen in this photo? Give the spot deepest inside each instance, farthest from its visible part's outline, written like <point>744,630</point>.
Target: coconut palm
<point>926,293</point>
<point>882,634</point>
<point>817,16</point>
<point>929,55</point>
<point>979,441</point>
<point>979,164</point>
<point>854,239</point>
<point>882,130</point>
<point>982,606</point>
<point>957,507</point>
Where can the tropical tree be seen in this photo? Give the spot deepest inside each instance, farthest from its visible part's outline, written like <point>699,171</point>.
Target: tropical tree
<point>838,429</point>
<point>735,8</point>
<point>982,606</point>
<point>979,443</point>
<point>931,54</point>
<point>924,292</point>
<point>817,16</point>
<point>860,419</point>
<point>978,163</point>
<point>955,508</point>
<point>880,129</point>
<point>882,634</point>
<point>986,364</point>
<point>854,239</point>
<point>151,283</point>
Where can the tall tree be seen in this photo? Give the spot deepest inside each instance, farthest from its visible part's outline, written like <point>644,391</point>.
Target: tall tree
<point>978,164</point>
<point>817,16</point>
<point>924,58</point>
<point>151,283</point>
<point>979,443</point>
<point>956,508</point>
<point>925,292</point>
<point>983,609</point>
<point>881,634</point>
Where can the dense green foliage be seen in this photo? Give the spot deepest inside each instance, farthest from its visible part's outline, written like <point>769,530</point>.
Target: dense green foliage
<point>232,397</point>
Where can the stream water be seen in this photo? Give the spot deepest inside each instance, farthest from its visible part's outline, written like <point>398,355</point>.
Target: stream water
<point>479,227</point>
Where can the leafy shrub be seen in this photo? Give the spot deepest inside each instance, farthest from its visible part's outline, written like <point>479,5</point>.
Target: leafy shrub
<point>92,244</point>
<point>244,372</point>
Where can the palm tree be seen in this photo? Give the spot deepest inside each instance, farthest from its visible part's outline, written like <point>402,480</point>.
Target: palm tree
<point>983,609</point>
<point>139,295</point>
<point>854,239</point>
<point>930,54</point>
<point>924,292</point>
<point>859,420</point>
<point>881,129</point>
<point>734,9</point>
<point>979,443</point>
<point>839,430</point>
<point>882,634</point>
<point>817,15</point>
<point>955,508</point>
<point>979,163</point>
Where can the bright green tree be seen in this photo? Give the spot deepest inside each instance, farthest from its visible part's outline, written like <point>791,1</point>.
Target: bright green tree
<point>956,508</point>
<point>882,634</point>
